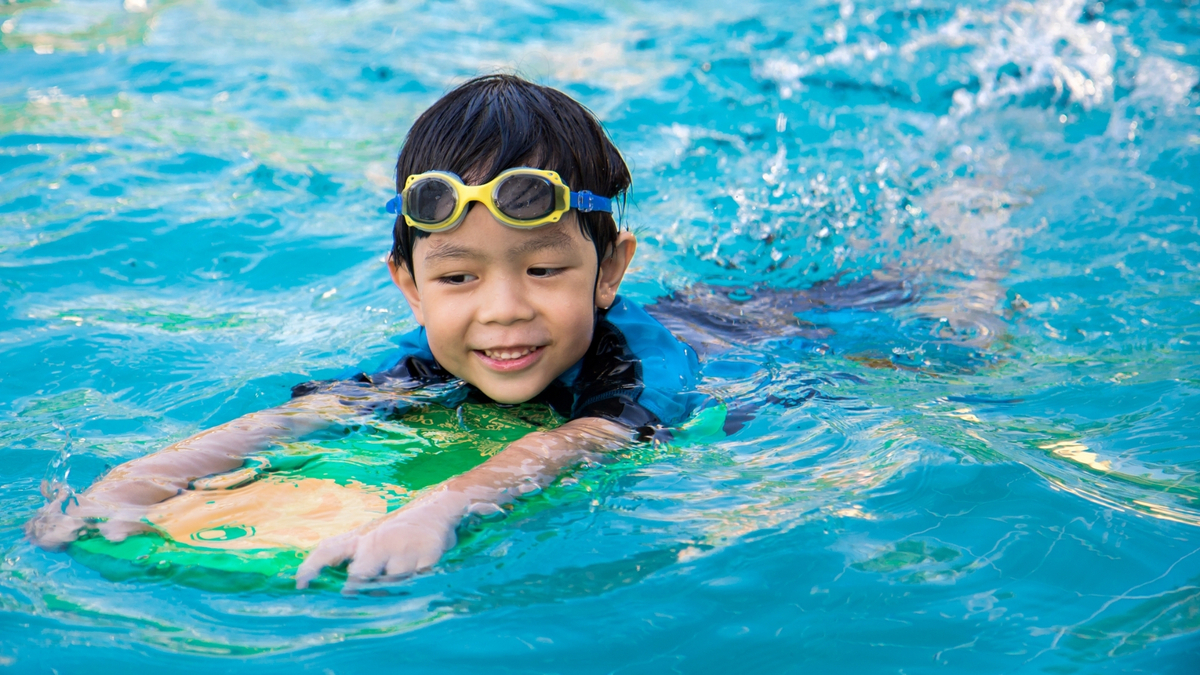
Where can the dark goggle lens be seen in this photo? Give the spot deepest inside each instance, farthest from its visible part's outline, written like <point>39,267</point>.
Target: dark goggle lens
<point>525,197</point>
<point>430,200</point>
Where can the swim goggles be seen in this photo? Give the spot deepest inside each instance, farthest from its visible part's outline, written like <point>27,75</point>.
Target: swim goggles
<point>436,201</point>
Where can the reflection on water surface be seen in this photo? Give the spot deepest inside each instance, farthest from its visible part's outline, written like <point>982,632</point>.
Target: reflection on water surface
<point>998,474</point>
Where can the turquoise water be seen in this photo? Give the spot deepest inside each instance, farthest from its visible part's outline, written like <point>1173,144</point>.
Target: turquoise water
<point>1000,477</point>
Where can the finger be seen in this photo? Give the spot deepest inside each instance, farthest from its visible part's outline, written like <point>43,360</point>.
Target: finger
<point>400,566</point>
<point>117,531</point>
<point>366,565</point>
<point>331,552</point>
<point>397,568</point>
<point>418,556</point>
<point>53,530</point>
<point>427,558</point>
<point>353,585</point>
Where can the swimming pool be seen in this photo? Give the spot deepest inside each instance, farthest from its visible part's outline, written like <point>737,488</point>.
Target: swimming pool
<point>999,477</point>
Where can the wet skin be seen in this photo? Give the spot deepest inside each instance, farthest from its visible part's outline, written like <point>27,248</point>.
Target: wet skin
<point>506,309</point>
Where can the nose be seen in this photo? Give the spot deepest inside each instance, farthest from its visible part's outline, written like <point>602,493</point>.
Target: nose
<point>504,300</point>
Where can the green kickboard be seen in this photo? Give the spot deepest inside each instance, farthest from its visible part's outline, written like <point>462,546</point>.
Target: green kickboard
<point>368,470</point>
<point>355,475</point>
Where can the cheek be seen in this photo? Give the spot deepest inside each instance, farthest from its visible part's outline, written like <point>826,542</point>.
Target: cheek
<point>445,328</point>
<point>575,305</point>
<point>575,318</point>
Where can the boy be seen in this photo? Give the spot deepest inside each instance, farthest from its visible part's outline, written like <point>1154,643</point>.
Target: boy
<point>506,251</point>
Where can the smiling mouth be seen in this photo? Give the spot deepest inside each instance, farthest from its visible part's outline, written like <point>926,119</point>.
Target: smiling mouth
<point>509,354</point>
<point>509,358</point>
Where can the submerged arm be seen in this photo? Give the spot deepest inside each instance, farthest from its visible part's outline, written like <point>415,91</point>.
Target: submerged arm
<point>121,498</point>
<point>415,536</point>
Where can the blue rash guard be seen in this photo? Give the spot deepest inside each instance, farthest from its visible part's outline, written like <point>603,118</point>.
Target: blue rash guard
<point>635,373</point>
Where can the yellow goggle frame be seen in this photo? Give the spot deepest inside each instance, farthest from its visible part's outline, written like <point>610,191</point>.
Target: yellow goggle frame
<point>486,194</point>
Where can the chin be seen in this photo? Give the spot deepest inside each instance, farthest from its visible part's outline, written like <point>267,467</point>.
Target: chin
<point>511,394</point>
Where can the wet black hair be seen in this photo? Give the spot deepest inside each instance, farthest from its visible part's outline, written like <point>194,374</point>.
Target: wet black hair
<point>497,122</point>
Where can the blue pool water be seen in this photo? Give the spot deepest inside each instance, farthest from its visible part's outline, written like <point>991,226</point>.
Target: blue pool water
<point>1000,477</point>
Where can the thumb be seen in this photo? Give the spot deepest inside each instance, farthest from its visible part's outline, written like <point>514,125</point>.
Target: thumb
<point>53,530</point>
<point>329,553</point>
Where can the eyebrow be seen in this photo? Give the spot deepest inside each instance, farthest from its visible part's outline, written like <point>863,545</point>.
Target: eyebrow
<point>447,251</point>
<point>554,238</point>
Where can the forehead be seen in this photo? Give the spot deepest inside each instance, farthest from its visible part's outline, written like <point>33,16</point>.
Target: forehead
<point>482,237</point>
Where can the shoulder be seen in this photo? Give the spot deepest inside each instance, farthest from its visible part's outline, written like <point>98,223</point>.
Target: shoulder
<point>412,360</point>
<point>635,361</point>
<point>666,363</point>
<point>649,339</point>
<point>413,343</point>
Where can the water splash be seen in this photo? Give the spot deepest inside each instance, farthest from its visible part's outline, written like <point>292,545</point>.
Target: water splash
<point>1024,425</point>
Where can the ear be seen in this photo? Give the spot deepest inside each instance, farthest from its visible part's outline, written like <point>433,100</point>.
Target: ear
<point>408,286</point>
<point>612,269</point>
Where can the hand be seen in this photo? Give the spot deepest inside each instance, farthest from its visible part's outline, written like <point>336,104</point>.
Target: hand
<point>397,545</point>
<point>68,515</point>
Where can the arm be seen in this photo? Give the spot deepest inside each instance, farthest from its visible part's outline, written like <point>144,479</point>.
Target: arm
<point>415,536</point>
<point>123,497</point>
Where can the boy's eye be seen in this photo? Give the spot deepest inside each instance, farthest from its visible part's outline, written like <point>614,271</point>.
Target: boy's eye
<point>543,271</point>
<point>455,279</point>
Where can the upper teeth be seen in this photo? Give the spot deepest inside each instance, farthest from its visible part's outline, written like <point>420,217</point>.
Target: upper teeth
<point>507,354</point>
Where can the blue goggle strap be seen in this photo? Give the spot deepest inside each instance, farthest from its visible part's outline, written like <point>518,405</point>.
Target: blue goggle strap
<point>582,201</point>
<point>585,202</point>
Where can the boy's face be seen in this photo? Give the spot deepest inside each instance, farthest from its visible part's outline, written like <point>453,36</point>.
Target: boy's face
<point>510,310</point>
